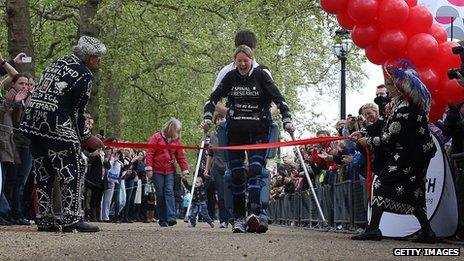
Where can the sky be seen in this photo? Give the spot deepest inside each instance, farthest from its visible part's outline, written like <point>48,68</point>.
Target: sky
<point>356,98</point>
<point>328,108</point>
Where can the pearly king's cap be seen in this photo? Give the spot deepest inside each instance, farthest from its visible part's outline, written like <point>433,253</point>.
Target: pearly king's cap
<point>91,46</point>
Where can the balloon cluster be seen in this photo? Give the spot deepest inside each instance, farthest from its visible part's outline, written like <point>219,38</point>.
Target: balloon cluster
<point>389,30</point>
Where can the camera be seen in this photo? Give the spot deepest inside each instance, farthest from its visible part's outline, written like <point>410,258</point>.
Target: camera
<point>382,103</point>
<point>459,72</point>
<point>26,59</point>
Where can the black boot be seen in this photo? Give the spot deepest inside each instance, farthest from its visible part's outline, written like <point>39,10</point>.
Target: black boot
<point>81,226</point>
<point>54,228</point>
<point>374,234</point>
<point>427,237</point>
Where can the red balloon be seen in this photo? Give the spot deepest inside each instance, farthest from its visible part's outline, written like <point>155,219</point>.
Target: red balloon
<point>451,91</point>
<point>365,35</point>
<point>438,33</point>
<point>374,55</point>
<point>422,49</point>
<point>363,11</point>
<point>437,109</point>
<point>419,21</point>
<point>445,59</point>
<point>430,78</point>
<point>411,3</point>
<point>393,13</point>
<point>393,43</point>
<point>333,6</point>
<point>345,20</point>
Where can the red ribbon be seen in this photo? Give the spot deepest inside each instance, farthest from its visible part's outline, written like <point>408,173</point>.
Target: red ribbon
<point>235,147</point>
<point>368,173</point>
<point>251,147</point>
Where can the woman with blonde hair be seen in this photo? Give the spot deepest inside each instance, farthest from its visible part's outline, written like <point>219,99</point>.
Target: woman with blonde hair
<point>160,166</point>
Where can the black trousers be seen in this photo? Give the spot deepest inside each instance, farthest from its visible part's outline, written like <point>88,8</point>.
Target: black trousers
<point>241,177</point>
<point>64,160</point>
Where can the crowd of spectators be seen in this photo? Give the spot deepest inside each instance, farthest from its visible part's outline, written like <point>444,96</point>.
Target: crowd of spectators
<point>338,161</point>
<point>117,187</point>
<point>327,163</point>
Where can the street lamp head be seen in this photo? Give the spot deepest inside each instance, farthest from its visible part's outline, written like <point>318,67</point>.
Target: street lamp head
<point>346,45</point>
<point>342,32</point>
<point>337,49</point>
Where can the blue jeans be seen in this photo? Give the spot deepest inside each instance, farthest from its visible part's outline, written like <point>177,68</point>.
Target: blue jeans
<point>129,208</point>
<point>5,208</point>
<point>165,202</point>
<point>22,174</point>
<point>202,208</point>
<point>218,177</point>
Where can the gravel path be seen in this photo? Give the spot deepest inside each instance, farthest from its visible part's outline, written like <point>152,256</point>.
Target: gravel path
<point>148,241</point>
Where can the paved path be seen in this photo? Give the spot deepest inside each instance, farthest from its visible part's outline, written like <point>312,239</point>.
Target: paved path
<point>148,241</point>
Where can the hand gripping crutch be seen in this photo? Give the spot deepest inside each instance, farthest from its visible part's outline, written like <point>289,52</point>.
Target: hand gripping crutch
<point>197,169</point>
<point>310,183</point>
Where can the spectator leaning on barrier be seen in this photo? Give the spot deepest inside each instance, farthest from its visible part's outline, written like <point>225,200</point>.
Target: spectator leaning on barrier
<point>55,123</point>
<point>374,128</point>
<point>160,165</point>
<point>408,146</point>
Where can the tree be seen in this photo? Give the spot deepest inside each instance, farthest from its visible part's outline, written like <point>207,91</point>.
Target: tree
<point>19,31</point>
<point>163,56</point>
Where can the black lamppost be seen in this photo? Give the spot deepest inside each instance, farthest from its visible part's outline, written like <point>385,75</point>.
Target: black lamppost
<point>341,50</point>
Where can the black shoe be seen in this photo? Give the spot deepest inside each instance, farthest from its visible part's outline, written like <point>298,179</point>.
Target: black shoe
<point>426,238</point>
<point>3,222</point>
<point>127,221</point>
<point>263,225</point>
<point>81,226</point>
<point>374,234</point>
<point>8,218</point>
<point>172,223</point>
<point>49,229</point>
<point>163,224</point>
<point>23,222</point>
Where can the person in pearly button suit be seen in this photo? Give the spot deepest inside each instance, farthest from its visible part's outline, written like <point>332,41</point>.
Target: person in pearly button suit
<point>407,144</point>
<point>55,123</point>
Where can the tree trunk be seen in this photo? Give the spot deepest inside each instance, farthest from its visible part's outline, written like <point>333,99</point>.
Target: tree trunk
<point>112,109</point>
<point>19,32</point>
<point>87,12</point>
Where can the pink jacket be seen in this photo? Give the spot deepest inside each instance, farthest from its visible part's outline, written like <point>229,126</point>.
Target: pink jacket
<point>160,159</point>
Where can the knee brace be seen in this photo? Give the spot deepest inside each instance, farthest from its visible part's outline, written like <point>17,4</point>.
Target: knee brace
<point>254,176</point>
<point>265,189</point>
<point>255,172</point>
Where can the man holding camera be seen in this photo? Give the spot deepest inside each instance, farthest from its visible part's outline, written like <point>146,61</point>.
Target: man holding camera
<point>55,123</point>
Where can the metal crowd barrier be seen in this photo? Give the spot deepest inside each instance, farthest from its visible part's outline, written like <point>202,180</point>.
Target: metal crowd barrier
<point>343,204</point>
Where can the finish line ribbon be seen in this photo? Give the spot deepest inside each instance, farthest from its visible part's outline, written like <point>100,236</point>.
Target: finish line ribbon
<point>259,146</point>
<point>252,147</point>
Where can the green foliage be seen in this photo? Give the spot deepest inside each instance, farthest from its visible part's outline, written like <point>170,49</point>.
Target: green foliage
<point>163,56</point>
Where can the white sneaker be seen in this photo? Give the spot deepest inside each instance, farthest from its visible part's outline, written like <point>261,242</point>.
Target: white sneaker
<point>223,225</point>
<point>239,226</point>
